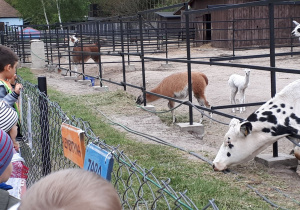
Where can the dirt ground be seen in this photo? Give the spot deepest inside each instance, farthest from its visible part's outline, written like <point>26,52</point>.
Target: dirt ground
<point>217,93</point>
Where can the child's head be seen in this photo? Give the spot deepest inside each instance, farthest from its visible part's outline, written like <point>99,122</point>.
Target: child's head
<point>6,153</point>
<point>71,189</point>
<point>8,61</point>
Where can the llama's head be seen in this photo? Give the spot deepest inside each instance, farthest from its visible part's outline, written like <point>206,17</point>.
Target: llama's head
<point>140,100</point>
<point>297,152</point>
<point>73,40</point>
<point>247,72</point>
<point>296,31</point>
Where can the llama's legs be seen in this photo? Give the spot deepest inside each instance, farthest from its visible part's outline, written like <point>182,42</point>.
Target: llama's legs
<point>297,155</point>
<point>201,103</point>
<point>242,100</point>
<point>204,103</point>
<point>171,106</point>
<point>75,69</point>
<point>232,96</point>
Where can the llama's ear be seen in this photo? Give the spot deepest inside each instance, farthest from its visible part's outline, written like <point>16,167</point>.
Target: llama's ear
<point>295,22</point>
<point>140,100</point>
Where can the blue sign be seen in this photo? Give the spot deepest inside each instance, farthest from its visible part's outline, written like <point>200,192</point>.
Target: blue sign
<point>99,161</point>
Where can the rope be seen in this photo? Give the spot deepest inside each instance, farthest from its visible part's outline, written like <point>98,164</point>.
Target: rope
<point>201,111</point>
<point>41,58</point>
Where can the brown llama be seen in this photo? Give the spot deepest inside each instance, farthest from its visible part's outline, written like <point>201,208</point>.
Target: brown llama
<point>176,86</point>
<point>82,55</point>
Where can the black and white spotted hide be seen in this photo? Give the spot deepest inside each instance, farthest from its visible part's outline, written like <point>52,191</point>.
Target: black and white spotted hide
<point>279,117</point>
<point>296,31</point>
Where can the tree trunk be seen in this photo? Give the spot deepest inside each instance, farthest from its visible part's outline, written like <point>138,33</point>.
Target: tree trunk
<point>45,14</point>
<point>59,17</point>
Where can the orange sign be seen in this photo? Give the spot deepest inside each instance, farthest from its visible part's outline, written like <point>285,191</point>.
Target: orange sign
<point>73,143</point>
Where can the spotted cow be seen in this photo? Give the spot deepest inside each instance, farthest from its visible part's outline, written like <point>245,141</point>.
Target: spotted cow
<point>277,118</point>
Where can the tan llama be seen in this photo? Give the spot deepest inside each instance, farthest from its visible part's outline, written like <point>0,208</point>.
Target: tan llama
<point>176,86</point>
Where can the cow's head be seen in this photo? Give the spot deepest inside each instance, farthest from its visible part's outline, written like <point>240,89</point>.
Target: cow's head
<point>296,31</point>
<point>297,152</point>
<point>240,145</point>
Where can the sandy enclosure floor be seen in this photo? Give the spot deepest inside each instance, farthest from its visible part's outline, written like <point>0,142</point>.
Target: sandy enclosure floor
<point>217,93</point>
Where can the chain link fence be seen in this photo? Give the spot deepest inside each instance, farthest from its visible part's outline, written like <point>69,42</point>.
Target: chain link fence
<point>42,149</point>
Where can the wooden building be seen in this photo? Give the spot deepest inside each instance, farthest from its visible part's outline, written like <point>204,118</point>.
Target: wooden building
<point>241,27</point>
<point>168,20</point>
<point>9,15</point>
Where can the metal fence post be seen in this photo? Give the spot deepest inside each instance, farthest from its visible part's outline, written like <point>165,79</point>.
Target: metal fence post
<point>233,37</point>
<point>272,63</point>
<point>113,37</point>
<point>142,55</point>
<point>122,52</point>
<point>69,50</point>
<point>50,45</point>
<point>81,49</point>
<point>99,56</point>
<point>2,38</point>
<point>188,57</point>
<point>23,46</point>
<point>166,34</point>
<point>43,104</point>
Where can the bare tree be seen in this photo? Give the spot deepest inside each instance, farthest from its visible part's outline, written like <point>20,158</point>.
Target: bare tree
<point>59,16</point>
<point>45,14</point>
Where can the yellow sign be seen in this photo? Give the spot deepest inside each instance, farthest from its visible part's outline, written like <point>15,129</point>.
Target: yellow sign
<point>73,143</point>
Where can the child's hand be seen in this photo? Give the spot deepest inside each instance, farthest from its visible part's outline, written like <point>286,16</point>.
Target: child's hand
<point>16,145</point>
<point>18,88</point>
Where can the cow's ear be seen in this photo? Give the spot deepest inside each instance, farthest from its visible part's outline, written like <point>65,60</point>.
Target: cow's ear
<point>295,22</point>
<point>246,128</point>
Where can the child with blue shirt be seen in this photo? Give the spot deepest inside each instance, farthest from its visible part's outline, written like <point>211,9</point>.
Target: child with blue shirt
<point>8,66</point>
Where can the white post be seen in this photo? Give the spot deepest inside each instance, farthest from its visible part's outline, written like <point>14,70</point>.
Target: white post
<point>37,54</point>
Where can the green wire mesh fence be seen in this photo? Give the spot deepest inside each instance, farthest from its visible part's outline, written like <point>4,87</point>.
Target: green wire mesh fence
<point>42,149</point>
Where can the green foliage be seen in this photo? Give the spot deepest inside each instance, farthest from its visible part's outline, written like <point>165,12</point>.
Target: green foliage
<point>32,10</point>
<point>77,10</point>
<point>74,10</point>
<point>129,7</point>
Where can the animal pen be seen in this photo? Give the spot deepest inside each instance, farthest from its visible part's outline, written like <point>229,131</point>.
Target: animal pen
<point>136,40</point>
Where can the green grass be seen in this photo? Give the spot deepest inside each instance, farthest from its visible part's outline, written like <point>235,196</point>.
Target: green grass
<point>197,177</point>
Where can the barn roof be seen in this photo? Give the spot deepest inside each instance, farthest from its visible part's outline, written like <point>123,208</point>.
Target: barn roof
<point>6,10</point>
<point>190,3</point>
<point>178,12</point>
<point>167,14</point>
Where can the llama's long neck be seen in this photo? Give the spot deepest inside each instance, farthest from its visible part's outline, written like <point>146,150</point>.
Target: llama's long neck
<point>246,82</point>
<point>71,44</point>
<point>158,90</point>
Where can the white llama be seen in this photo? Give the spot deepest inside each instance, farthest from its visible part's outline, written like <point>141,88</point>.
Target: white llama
<point>238,84</point>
